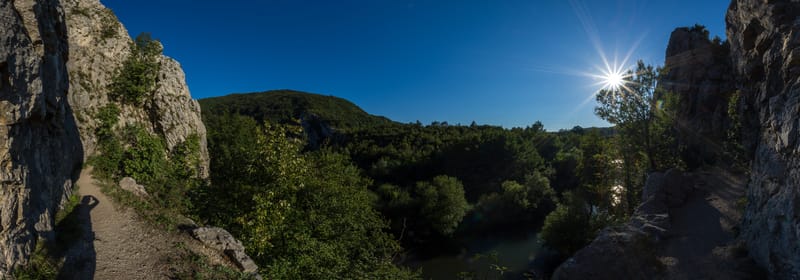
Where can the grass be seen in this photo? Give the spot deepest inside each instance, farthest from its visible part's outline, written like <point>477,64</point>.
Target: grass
<point>150,212</point>
<point>42,265</point>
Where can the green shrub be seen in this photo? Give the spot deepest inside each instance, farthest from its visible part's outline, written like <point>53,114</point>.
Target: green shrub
<point>145,160</point>
<point>567,228</point>
<point>107,163</point>
<point>40,266</point>
<point>138,76</point>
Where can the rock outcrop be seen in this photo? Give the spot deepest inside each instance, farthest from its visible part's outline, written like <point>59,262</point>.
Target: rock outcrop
<point>129,184</point>
<point>219,239</point>
<point>99,44</point>
<point>628,251</point>
<point>40,149</point>
<point>765,48</point>
<point>699,74</point>
<point>56,61</point>
<point>684,229</point>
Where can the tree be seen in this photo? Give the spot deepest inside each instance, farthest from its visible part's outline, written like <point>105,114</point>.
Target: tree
<point>442,203</point>
<point>568,228</point>
<point>596,171</point>
<point>138,75</point>
<point>632,108</point>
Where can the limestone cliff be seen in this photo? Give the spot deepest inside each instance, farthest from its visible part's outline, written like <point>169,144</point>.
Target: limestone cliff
<point>56,60</point>
<point>40,148</point>
<point>98,45</point>
<point>700,75</point>
<point>765,48</point>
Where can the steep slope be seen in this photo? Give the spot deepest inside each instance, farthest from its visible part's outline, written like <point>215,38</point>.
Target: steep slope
<point>765,47</point>
<point>99,44</point>
<point>40,147</point>
<point>320,116</point>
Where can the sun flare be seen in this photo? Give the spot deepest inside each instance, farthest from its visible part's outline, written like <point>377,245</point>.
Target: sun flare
<point>613,80</point>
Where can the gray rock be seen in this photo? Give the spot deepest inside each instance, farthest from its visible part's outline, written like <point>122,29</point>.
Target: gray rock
<point>130,185</point>
<point>701,76</point>
<point>40,147</point>
<point>764,45</point>
<point>616,253</point>
<point>220,239</point>
<point>628,252</point>
<point>99,44</point>
<point>56,60</point>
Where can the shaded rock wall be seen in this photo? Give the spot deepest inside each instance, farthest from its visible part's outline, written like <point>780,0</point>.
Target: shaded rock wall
<point>40,148</point>
<point>700,74</point>
<point>765,47</point>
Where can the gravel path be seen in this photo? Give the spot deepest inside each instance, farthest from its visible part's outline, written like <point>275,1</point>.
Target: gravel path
<point>702,242</point>
<point>117,245</point>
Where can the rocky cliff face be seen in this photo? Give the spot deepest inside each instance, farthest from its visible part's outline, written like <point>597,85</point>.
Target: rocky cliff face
<point>765,47</point>
<point>40,148</point>
<point>700,74</point>
<point>56,60</point>
<point>761,63</point>
<point>98,46</point>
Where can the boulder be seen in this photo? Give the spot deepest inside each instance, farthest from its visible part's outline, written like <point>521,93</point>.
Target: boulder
<point>629,251</point>
<point>220,239</point>
<point>130,185</point>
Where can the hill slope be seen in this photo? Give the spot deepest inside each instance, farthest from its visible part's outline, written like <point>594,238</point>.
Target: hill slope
<point>281,106</point>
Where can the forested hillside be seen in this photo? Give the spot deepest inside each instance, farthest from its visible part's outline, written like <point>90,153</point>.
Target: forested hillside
<point>430,185</point>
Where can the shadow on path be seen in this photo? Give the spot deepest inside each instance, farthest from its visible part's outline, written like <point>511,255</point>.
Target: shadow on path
<point>80,259</point>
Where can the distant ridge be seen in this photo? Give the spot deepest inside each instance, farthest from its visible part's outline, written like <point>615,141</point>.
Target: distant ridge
<point>289,106</point>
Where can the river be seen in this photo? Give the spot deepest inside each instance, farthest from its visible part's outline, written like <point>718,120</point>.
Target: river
<point>517,253</point>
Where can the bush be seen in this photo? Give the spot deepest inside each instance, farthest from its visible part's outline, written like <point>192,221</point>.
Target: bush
<point>567,228</point>
<point>442,203</point>
<point>108,144</point>
<point>138,76</point>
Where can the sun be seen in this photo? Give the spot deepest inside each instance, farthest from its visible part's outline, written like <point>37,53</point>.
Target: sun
<point>613,80</point>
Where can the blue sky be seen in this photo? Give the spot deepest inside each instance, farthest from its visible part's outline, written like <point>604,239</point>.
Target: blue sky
<point>497,62</point>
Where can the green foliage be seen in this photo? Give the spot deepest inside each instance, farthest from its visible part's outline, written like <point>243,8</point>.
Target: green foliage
<point>644,116</point>
<point>287,107</point>
<point>135,152</point>
<point>301,216</point>
<point>41,265</point>
<point>567,228</point>
<point>109,24</point>
<point>512,176</point>
<point>633,108</point>
<point>138,77</point>
<point>442,203</point>
<point>45,262</point>
<point>733,141</point>
<point>185,264</point>
<point>107,142</point>
<point>145,158</point>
